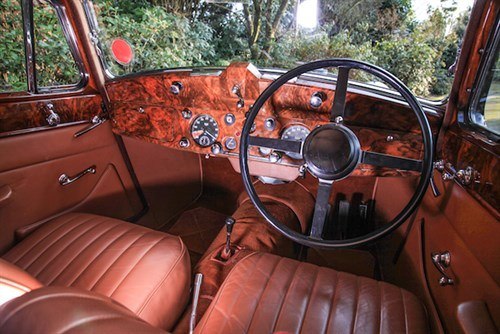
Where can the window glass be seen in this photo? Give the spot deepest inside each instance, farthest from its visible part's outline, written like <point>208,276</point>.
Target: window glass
<point>55,64</point>
<point>417,40</point>
<point>12,64</point>
<point>487,112</point>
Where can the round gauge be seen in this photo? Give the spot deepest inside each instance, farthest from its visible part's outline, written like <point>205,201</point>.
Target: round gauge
<point>295,133</point>
<point>205,130</point>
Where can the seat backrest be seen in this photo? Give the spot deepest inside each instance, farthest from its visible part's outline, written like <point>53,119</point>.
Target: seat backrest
<point>15,282</point>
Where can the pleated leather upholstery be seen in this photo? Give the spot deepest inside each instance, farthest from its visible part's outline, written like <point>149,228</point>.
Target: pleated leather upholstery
<point>145,270</point>
<point>266,294</point>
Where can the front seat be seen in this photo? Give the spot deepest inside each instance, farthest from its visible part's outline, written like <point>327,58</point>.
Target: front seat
<point>147,271</point>
<point>267,294</point>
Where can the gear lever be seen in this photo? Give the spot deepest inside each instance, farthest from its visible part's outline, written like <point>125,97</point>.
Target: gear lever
<point>226,253</point>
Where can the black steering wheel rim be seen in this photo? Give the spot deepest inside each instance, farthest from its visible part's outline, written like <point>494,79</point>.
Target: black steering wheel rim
<point>427,161</point>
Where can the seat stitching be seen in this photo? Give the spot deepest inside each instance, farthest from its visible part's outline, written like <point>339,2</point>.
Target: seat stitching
<point>53,243</point>
<point>113,263</point>
<point>332,301</point>
<point>404,310</point>
<point>218,295</point>
<point>358,293</point>
<point>45,237</point>
<point>136,263</point>
<point>89,227</point>
<point>69,262</point>
<point>276,320</point>
<point>152,293</point>
<point>303,318</point>
<point>263,292</point>
<point>99,255</point>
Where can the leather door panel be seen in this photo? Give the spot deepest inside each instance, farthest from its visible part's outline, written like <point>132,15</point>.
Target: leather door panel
<point>32,163</point>
<point>457,223</point>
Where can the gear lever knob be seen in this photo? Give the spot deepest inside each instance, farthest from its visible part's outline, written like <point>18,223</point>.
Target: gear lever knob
<point>230,221</point>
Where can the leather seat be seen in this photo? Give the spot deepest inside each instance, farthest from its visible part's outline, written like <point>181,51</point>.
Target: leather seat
<point>265,294</point>
<point>69,310</point>
<point>145,270</point>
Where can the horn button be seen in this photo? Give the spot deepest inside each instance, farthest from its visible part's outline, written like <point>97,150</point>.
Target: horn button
<point>331,152</point>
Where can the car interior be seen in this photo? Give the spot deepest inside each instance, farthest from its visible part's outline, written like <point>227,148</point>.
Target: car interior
<point>243,198</point>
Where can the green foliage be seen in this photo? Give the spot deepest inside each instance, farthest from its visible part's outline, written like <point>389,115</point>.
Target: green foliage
<point>175,33</point>
<point>54,64</point>
<point>159,39</point>
<point>12,72</point>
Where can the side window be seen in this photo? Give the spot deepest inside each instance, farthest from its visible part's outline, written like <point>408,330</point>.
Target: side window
<point>12,64</point>
<point>485,110</point>
<point>54,62</point>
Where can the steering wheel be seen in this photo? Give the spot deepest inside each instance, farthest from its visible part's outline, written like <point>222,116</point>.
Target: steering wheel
<point>332,152</point>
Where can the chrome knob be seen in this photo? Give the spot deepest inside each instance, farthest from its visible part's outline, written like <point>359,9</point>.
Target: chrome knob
<point>274,157</point>
<point>176,87</point>
<point>317,99</point>
<point>216,148</point>
<point>186,114</point>
<point>184,142</point>
<point>270,124</point>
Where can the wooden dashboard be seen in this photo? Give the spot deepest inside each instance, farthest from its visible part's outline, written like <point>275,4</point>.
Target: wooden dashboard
<point>144,107</point>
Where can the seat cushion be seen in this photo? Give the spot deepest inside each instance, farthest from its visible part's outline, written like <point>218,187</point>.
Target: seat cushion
<point>69,310</point>
<point>265,293</point>
<point>145,270</point>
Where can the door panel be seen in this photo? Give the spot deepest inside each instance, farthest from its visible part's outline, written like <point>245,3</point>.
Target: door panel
<point>32,163</point>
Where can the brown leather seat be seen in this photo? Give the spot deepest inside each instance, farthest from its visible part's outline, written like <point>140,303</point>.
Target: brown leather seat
<point>145,270</point>
<point>69,310</point>
<point>265,294</point>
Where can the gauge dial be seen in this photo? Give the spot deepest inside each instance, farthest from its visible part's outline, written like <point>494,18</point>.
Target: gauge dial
<point>295,133</point>
<point>205,130</point>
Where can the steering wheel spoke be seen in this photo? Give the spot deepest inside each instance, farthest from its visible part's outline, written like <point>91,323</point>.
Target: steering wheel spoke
<point>289,146</point>
<point>321,209</point>
<point>338,107</point>
<point>391,161</point>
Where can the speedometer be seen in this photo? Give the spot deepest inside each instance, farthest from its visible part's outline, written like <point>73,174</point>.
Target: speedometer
<point>295,133</point>
<point>205,130</point>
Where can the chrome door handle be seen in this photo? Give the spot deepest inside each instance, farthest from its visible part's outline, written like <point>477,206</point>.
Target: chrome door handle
<point>442,261</point>
<point>94,123</point>
<point>64,179</point>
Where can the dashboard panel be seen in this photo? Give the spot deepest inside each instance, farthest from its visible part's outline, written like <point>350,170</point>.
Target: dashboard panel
<point>204,113</point>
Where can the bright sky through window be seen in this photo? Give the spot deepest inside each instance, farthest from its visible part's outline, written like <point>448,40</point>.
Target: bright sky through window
<point>307,14</point>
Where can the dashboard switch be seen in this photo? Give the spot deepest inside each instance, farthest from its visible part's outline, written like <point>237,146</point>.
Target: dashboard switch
<point>184,142</point>
<point>216,148</point>
<point>187,114</point>
<point>270,124</point>
<point>176,87</point>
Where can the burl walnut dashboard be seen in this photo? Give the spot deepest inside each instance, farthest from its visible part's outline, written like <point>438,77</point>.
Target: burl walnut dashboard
<point>204,112</point>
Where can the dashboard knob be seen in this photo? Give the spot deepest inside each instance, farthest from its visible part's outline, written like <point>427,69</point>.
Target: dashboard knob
<point>176,87</point>
<point>317,99</point>
<point>275,157</point>
<point>216,148</point>
<point>270,124</point>
<point>230,143</point>
<point>186,114</point>
<point>184,142</point>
